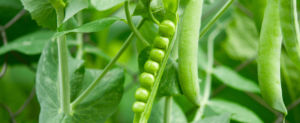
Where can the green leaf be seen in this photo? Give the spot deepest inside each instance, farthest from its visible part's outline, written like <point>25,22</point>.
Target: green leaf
<point>234,80</point>
<point>105,4</point>
<point>242,37</point>
<point>223,118</point>
<point>74,6</point>
<point>240,113</point>
<point>42,12</point>
<point>93,26</point>
<point>96,107</point>
<point>149,32</point>
<point>169,83</point>
<point>96,51</point>
<point>31,44</point>
<point>68,25</point>
<point>157,114</point>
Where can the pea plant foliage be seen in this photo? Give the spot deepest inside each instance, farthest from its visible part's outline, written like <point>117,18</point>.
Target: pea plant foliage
<point>149,61</point>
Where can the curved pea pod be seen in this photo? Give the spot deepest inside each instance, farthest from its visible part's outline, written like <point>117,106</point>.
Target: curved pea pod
<point>187,51</point>
<point>290,30</point>
<point>258,10</point>
<point>269,58</point>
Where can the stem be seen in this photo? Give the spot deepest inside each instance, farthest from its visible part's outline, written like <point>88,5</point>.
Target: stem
<point>4,68</point>
<point>151,15</point>
<point>295,103</point>
<point>216,17</point>
<point>168,109</point>
<point>110,65</point>
<point>79,37</point>
<point>63,66</point>
<point>207,89</point>
<point>261,102</point>
<point>132,27</point>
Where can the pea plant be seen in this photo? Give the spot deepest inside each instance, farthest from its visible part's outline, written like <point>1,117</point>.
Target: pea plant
<point>155,61</point>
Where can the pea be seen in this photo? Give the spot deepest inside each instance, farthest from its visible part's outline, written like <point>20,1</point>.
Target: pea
<point>269,58</point>
<point>167,28</point>
<point>141,94</point>
<point>138,107</point>
<point>157,54</point>
<point>151,66</point>
<point>188,49</point>
<point>161,42</point>
<point>147,79</point>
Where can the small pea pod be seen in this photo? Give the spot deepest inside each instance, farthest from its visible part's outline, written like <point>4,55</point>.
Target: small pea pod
<point>290,29</point>
<point>258,10</point>
<point>188,49</point>
<point>269,58</point>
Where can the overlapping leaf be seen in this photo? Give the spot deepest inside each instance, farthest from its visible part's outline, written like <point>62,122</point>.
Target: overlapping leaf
<point>234,80</point>
<point>101,103</point>
<point>239,113</point>
<point>31,44</point>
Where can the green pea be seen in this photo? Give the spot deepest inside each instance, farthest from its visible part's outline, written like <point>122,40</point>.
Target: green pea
<point>161,42</point>
<point>188,49</point>
<point>269,58</point>
<point>141,94</point>
<point>167,28</point>
<point>151,66</point>
<point>147,79</point>
<point>138,107</point>
<point>157,54</point>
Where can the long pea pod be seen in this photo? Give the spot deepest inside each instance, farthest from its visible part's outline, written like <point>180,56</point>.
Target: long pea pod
<point>188,48</point>
<point>269,58</point>
<point>155,65</point>
<point>290,29</point>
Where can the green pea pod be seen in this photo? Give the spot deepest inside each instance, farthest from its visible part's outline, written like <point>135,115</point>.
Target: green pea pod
<point>290,29</point>
<point>188,48</point>
<point>269,58</point>
<point>258,10</point>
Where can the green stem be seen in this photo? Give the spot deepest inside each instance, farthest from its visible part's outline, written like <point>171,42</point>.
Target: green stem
<point>151,15</point>
<point>146,114</point>
<point>63,66</point>
<point>207,88</point>
<point>79,37</point>
<point>216,17</point>
<point>132,27</point>
<point>110,65</point>
<point>168,109</point>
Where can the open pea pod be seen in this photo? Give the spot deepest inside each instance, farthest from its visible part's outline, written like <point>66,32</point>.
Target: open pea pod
<point>290,29</point>
<point>169,83</point>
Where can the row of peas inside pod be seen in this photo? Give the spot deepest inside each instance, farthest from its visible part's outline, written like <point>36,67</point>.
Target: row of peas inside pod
<point>157,53</point>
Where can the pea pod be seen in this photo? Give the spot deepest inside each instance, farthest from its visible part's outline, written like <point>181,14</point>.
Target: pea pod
<point>188,48</point>
<point>269,58</point>
<point>290,29</point>
<point>151,70</point>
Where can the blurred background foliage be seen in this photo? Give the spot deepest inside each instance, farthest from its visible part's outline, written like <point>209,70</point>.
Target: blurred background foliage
<point>235,47</point>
